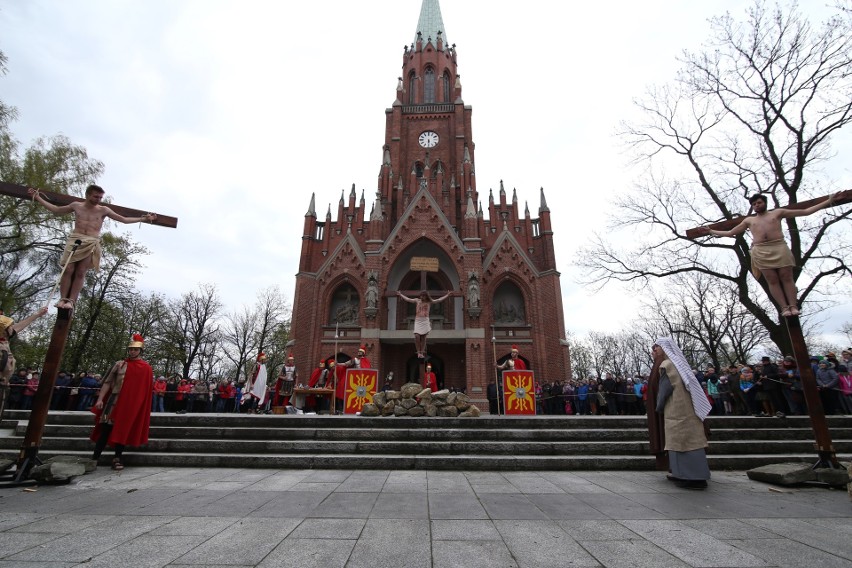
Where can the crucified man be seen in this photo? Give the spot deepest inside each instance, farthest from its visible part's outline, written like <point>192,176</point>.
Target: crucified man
<point>770,255</point>
<point>422,324</point>
<point>89,218</point>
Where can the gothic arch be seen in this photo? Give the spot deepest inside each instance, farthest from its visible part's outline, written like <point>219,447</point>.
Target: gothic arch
<point>429,85</point>
<point>412,87</point>
<point>343,304</point>
<point>446,86</point>
<point>447,277</point>
<point>509,303</point>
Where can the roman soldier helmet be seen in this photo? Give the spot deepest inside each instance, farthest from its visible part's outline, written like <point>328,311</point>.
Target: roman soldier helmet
<point>362,349</point>
<point>514,349</point>
<point>136,342</point>
<point>261,357</point>
<point>321,363</point>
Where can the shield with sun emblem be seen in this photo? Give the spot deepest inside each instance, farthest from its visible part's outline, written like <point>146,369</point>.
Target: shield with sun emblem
<point>518,392</point>
<point>361,385</point>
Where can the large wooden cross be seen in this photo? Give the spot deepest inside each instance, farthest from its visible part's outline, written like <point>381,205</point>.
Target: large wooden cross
<point>728,224</point>
<point>28,456</point>
<point>825,450</point>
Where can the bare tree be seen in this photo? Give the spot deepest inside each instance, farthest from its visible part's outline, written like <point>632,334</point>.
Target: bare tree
<point>755,111</point>
<point>238,339</point>
<point>192,326</point>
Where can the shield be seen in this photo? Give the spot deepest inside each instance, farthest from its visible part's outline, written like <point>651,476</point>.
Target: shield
<point>361,385</point>
<point>518,392</point>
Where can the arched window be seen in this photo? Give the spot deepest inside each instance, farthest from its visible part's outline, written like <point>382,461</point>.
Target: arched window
<point>446,87</point>
<point>509,305</point>
<point>345,306</point>
<point>429,86</point>
<point>412,87</point>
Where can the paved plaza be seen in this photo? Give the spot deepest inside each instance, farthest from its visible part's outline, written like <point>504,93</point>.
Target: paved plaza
<point>152,517</point>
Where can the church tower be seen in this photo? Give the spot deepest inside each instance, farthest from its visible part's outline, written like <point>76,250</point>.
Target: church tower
<point>427,230</point>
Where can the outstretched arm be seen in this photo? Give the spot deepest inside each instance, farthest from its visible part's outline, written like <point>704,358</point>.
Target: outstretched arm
<point>738,230</point>
<point>442,298</point>
<point>21,325</point>
<point>827,202</point>
<point>406,298</point>
<point>149,217</point>
<point>55,209</point>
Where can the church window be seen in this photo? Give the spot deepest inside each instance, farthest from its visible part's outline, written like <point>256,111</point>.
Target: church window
<point>412,87</point>
<point>509,305</point>
<point>345,306</point>
<point>446,87</point>
<point>429,86</point>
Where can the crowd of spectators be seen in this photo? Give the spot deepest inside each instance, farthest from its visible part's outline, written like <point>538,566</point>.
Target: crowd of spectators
<point>176,395</point>
<point>767,388</point>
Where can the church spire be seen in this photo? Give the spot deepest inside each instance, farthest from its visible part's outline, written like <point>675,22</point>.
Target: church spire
<point>430,23</point>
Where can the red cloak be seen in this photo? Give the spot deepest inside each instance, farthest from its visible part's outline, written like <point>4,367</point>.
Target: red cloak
<point>131,415</point>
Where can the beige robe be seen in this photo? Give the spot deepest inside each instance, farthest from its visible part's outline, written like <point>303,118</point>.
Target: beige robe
<point>684,430</point>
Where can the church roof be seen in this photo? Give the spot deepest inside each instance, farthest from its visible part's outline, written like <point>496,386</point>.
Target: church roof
<point>430,22</point>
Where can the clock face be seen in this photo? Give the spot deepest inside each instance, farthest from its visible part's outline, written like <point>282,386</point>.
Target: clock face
<point>429,139</point>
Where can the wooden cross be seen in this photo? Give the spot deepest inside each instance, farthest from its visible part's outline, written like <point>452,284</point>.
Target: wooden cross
<point>728,224</point>
<point>28,456</point>
<point>825,450</point>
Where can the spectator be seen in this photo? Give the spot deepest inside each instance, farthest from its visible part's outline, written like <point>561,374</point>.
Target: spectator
<point>17,384</point>
<point>583,398</point>
<point>184,390</point>
<point>59,400</point>
<point>160,387</point>
<point>29,391</point>
<point>828,382</point>
<point>87,390</point>
<point>845,395</point>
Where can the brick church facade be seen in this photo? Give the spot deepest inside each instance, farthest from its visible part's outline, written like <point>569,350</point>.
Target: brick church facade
<point>426,229</point>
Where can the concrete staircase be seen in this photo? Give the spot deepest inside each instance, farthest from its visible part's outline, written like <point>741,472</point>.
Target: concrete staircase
<point>485,443</point>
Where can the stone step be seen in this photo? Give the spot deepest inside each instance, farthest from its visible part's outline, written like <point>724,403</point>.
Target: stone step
<point>429,462</point>
<point>434,434</point>
<point>541,442</point>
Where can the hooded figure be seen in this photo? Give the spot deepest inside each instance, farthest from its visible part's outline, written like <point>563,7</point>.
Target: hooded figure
<point>684,406</point>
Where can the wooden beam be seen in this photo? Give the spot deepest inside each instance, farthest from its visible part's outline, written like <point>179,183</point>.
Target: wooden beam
<point>842,198</point>
<point>20,191</point>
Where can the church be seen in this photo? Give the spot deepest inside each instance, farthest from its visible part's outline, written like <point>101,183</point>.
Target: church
<point>426,229</point>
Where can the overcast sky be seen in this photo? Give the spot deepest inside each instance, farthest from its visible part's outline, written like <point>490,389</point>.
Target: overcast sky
<point>228,115</point>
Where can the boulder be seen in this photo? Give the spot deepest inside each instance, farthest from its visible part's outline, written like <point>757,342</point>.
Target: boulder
<point>783,473</point>
<point>471,412</point>
<point>57,472</point>
<point>448,411</point>
<point>417,411</point>
<point>410,390</point>
<point>370,409</point>
<point>379,399</point>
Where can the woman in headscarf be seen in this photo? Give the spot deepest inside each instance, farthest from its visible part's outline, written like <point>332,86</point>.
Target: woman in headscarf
<point>684,406</point>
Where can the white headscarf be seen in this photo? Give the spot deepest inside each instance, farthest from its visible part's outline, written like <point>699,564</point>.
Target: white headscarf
<point>700,404</point>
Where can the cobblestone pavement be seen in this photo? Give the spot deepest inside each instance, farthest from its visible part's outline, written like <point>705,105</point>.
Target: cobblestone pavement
<point>151,517</point>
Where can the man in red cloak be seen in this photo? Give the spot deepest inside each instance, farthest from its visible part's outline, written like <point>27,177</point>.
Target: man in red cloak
<point>430,381</point>
<point>123,408</point>
<point>514,362</point>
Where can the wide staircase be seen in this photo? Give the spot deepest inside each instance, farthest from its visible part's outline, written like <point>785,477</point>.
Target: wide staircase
<point>484,443</point>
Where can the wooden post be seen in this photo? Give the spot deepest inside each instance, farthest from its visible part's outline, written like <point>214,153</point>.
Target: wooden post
<point>28,456</point>
<point>824,447</point>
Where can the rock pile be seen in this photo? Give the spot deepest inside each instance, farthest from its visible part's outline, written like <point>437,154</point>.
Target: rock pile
<point>413,400</point>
